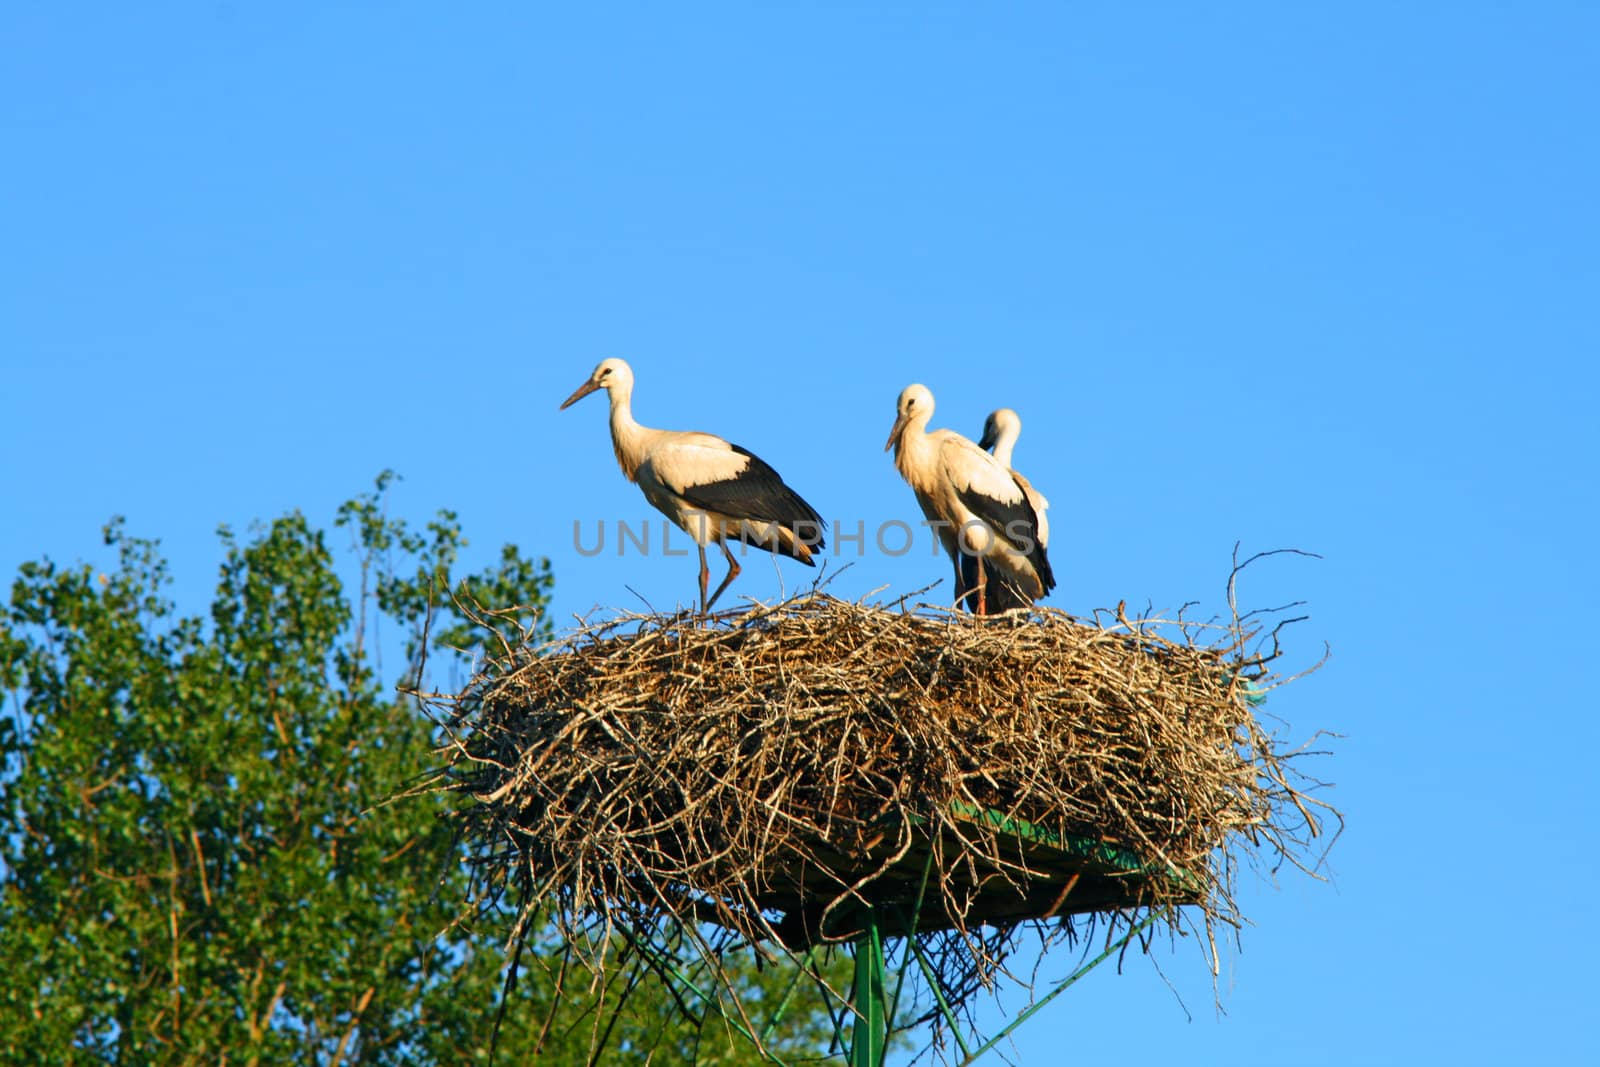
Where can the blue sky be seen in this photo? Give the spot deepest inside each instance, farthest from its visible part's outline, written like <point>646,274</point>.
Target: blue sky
<point>1285,276</point>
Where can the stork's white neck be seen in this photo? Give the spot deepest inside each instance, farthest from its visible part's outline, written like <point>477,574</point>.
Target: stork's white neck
<point>630,440</point>
<point>1003,446</point>
<point>912,451</point>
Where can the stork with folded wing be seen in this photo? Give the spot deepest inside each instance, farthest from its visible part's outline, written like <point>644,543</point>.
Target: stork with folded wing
<point>975,505</point>
<point>715,491</point>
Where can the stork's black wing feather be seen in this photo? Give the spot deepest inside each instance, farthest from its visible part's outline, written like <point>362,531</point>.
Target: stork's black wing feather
<point>1016,523</point>
<point>759,493</point>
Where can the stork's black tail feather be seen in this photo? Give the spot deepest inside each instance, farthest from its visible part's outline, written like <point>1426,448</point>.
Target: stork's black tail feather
<point>1000,592</point>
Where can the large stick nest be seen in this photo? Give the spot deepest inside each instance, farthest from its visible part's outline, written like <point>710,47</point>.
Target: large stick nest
<point>769,772</point>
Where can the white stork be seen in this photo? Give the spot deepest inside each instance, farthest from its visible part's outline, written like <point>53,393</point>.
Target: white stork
<point>975,504</point>
<point>714,490</point>
<point>1000,432</point>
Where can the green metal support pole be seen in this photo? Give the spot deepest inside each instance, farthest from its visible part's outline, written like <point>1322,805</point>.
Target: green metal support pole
<point>668,968</point>
<point>869,998</point>
<point>783,1004</point>
<point>1063,986</point>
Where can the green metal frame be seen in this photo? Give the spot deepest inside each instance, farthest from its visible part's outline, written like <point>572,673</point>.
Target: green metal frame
<point>870,1002</point>
<point>869,998</point>
<point>1089,848</point>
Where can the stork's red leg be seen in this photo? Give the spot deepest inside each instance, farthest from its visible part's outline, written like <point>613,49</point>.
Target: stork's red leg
<point>983,608</point>
<point>705,577</point>
<point>733,572</point>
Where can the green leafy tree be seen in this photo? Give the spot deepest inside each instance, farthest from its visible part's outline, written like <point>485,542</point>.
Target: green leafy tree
<point>204,860</point>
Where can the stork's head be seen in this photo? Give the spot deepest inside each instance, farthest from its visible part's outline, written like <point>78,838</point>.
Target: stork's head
<point>914,408</point>
<point>612,375</point>
<point>1001,424</point>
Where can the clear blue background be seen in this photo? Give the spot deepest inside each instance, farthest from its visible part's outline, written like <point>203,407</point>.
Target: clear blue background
<point>1322,277</point>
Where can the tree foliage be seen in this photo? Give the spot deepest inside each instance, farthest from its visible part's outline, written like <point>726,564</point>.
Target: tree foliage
<point>203,858</point>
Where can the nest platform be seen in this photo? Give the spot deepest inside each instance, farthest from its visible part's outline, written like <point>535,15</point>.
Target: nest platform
<point>780,771</point>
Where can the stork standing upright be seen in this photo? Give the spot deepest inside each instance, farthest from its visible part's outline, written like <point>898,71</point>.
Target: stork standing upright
<point>714,490</point>
<point>1000,432</point>
<point>975,504</point>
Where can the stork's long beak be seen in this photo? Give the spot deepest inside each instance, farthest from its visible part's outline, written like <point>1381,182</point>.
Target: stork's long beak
<point>578,394</point>
<point>894,434</point>
<point>990,437</point>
